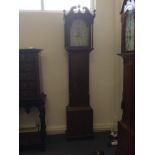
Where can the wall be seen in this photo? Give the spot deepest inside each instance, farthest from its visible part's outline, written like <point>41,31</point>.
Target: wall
<point>45,30</point>
<point>118,67</point>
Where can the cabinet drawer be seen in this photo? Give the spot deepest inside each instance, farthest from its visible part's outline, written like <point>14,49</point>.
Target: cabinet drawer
<point>27,57</point>
<point>27,76</point>
<point>28,94</point>
<point>28,85</point>
<point>27,67</point>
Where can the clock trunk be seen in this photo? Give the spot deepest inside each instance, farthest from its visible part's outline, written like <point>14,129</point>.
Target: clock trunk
<point>79,112</point>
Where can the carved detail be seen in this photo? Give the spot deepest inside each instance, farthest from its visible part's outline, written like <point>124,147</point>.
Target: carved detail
<point>79,10</point>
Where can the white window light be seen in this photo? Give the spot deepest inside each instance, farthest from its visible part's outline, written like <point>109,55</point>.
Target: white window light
<point>30,4</point>
<point>56,5</point>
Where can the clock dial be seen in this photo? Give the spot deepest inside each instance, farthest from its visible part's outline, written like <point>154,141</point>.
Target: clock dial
<point>129,31</point>
<point>79,33</point>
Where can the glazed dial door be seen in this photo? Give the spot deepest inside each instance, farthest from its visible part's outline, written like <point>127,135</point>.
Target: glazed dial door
<point>79,34</point>
<point>130,31</point>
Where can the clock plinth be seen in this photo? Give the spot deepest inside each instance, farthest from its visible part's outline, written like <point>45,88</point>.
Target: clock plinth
<point>79,122</point>
<point>78,42</point>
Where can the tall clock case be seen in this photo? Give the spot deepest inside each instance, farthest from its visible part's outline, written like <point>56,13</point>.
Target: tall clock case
<point>78,27</point>
<point>126,126</point>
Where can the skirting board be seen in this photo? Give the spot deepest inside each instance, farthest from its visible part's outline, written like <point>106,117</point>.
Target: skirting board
<point>53,130</point>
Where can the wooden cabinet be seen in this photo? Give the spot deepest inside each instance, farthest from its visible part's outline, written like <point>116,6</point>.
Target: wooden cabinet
<point>30,95</point>
<point>29,84</point>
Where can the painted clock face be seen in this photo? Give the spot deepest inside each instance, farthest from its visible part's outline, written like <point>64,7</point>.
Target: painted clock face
<point>130,31</point>
<point>79,34</point>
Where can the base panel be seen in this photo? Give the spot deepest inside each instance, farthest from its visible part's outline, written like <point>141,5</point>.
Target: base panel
<point>79,122</point>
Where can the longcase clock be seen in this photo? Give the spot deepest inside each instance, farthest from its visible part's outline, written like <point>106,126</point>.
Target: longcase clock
<point>78,33</point>
<point>126,127</point>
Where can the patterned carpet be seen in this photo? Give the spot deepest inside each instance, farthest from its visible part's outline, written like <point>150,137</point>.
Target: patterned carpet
<point>58,145</point>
